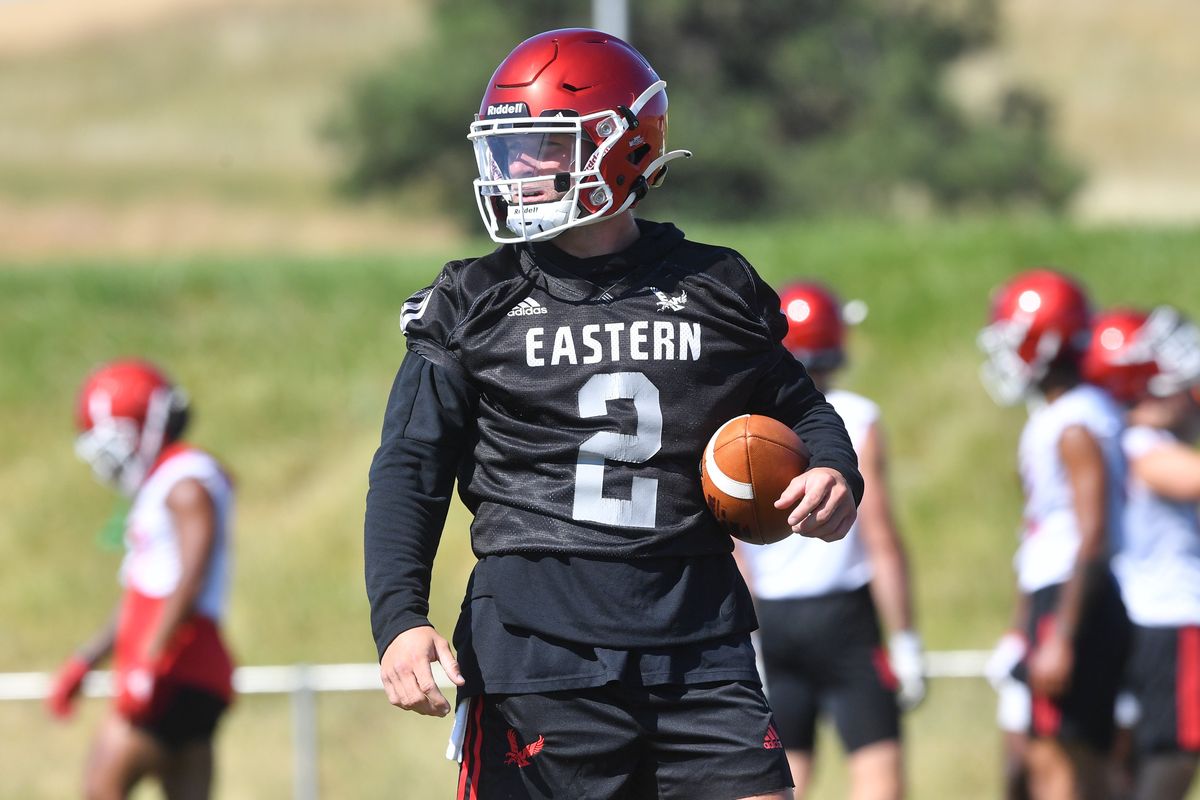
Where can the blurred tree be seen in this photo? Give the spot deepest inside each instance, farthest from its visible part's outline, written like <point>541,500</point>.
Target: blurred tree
<point>791,106</point>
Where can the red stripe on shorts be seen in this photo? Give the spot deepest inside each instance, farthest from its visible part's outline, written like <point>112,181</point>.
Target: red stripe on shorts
<point>1047,716</point>
<point>468,771</point>
<point>476,759</point>
<point>1187,689</point>
<point>883,669</point>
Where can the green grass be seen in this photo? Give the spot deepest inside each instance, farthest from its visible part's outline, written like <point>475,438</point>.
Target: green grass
<point>289,364</point>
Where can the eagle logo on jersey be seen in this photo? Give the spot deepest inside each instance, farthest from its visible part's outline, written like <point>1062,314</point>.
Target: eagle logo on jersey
<point>666,303</point>
<point>520,756</point>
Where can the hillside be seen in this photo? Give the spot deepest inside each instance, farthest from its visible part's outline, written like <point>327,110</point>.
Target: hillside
<point>154,128</point>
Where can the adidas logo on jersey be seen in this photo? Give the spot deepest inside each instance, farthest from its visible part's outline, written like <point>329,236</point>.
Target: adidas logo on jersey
<point>527,308</point>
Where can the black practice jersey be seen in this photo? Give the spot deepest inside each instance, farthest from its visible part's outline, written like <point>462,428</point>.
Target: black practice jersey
<point>572,398</point>
<point>595,399</point>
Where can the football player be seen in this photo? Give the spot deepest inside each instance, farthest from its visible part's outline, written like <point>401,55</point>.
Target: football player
<point>1151,363</point>
<point>173,672</point>
<point>569,381</point>
<point>819,604</point>
<point>1072,472</point>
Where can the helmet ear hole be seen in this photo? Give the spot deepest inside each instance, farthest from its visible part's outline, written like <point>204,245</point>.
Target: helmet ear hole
<point>639,154</point>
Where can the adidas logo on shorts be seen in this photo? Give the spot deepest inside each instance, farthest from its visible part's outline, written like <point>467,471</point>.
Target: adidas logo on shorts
<point>527,308</point>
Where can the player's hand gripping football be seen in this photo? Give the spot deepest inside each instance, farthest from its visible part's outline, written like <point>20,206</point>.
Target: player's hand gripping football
<point>408,677</point>
<point>824,507</point>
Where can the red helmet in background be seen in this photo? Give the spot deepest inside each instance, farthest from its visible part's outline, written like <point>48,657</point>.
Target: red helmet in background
<point>123,413</point>
<point>590,91</point>
<point>1133,354</point>
<point>1036,318</point>
<point>816,326</point>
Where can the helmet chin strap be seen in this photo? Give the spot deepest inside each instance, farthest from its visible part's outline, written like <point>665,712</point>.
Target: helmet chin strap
<point>528,221</point>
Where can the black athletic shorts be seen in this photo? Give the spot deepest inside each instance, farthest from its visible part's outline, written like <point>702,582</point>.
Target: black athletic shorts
<point>824,654</point>
<point>713,741</point>
<point>1085,712</point>
<point>1164,674</point>
<point>188,715</point>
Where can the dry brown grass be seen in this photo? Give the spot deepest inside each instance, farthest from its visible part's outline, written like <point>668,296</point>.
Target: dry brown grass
<point>1126,81</point>
<point>83,228</point>
<point>147,127</point>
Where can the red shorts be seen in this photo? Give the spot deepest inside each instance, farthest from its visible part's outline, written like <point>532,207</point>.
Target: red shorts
<point>196,656</point>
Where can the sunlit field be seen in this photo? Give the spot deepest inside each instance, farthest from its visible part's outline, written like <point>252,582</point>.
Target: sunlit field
<point>289,363</point>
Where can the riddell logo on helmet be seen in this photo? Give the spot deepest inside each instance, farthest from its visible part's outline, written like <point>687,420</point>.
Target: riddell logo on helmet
<point>507,110</point>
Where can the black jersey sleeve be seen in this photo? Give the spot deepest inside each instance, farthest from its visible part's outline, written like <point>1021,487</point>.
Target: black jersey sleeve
<point>787,393</point>
<point>425,436</point>
<point>432,316</point>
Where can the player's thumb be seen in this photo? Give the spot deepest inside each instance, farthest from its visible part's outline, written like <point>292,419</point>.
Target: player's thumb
<point>449,662</point>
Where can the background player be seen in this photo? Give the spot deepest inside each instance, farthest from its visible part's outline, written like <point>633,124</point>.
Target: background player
<point>819,603</point>
<point>173,672</point>
<point>571,386</point>
<point>1151,362</point>
<point>1072,472</point>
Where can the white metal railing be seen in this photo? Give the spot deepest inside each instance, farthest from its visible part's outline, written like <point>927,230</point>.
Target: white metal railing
<point>304,681</point>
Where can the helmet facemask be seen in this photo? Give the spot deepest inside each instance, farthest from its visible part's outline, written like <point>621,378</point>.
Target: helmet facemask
<point>1174,343</point>
<point>119,453</point>
<point>566,155</point>
<point>532,175</point>
<point>1007,376</point>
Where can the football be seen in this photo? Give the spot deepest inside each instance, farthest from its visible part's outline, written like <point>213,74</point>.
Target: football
<point>746,465</point>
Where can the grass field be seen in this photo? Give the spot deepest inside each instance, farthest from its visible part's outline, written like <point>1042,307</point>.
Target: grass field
<point>289,363</point>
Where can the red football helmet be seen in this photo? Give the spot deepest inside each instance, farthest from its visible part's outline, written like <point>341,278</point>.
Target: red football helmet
<point>816,327</point>
<point>123,413</point>
<point>572,129</point>
<point>1036,318</point>
<point>1133,354</point>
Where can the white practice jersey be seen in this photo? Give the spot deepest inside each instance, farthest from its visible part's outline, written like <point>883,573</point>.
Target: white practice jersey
<point>800,566</point>
<point>1050,532</point>
<point>152,565</point>
<point>1159,565</point>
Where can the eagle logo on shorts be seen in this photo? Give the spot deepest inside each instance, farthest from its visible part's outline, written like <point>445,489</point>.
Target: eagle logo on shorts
<point>521,755</point>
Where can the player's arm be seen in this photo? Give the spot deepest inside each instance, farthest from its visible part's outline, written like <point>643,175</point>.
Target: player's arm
<point>824,498</point>
<point>889,566</point>
<point>195,523</point>
<point>194,519</point>
<point>1052,662</point>
<point>1170,470</point>
<point>881,537</point>
<point>426,428</point>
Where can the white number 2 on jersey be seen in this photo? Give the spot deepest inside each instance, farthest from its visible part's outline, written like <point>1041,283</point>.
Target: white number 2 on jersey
<point>590,503</point>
